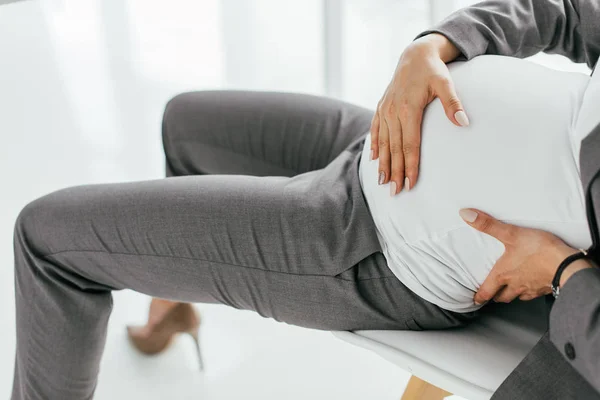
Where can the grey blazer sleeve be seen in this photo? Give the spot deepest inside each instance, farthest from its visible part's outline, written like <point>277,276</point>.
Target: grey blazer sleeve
<point>575,316</point>
<point>521,28</point>
<point>575,326</point>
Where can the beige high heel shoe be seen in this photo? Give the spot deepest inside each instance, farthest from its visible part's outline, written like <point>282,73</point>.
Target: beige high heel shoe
<point>165,320</point>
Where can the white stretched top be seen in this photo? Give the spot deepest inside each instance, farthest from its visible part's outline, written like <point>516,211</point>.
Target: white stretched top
<point>516,161</point>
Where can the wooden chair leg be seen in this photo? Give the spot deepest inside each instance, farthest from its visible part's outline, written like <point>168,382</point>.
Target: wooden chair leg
<point>418,389</point>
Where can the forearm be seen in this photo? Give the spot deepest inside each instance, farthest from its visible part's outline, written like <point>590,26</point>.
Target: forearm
<point>518,28</point>
<point>439,44</point>
<point>574,323</point>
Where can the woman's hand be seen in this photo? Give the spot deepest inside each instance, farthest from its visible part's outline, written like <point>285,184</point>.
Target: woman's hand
<point>420,77</point>
<point>530,260</point>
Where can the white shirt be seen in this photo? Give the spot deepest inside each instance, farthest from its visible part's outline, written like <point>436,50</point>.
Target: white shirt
<point>516,161</point>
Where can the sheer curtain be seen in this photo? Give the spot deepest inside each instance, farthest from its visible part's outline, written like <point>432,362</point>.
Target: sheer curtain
<point>346,49</point>
<point>102,70</point>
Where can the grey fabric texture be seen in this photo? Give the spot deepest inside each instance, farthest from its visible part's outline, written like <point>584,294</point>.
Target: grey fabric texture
<point>282,229</point>
<point>573,321</point>
<point>545,374</point>
<point>521,28</point>
<point>574,318</point>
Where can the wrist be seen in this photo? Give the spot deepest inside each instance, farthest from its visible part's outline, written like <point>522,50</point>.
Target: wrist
<point>440,46</point>
<point>573,268</point>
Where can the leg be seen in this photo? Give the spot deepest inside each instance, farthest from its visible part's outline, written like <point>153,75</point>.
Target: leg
<point>263,244</point>
<point>418,389</point>
<point>257,133</point>
<point>253,133</point>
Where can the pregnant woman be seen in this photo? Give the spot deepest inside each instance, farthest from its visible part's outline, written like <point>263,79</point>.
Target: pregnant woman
<point>310,239</point>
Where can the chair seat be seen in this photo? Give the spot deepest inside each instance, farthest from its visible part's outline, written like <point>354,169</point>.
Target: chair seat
<point>470,362</point>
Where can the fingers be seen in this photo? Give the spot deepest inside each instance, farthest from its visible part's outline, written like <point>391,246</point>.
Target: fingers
<point>495,281</point>
<point>506,295</point>
<point>394,147</point>
<point>444,88</point>
<point>410,119</point>
<point>397,156</point>
<point>506,233</point>
<point>488,289</point>
<point>375,135</point>
<point>384,151</point>
<point>526,296</point>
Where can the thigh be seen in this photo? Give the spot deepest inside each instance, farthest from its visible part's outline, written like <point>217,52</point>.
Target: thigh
<point>257,133</point>
<point>226,240</point>
<point>209,238</point>
<point>252,222</point>
<point>365,297</point>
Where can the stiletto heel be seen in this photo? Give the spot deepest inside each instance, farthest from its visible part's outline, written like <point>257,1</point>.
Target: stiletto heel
<point>196,337</point>
<point>165,320</point>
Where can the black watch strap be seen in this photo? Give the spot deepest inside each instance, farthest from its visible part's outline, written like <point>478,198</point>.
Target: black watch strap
<point>563,265</point>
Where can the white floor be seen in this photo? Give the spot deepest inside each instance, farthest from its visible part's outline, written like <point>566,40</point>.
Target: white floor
<point>82,88</point>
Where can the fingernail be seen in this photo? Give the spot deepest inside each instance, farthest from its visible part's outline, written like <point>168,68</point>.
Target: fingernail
<point>407,184</point>
<point>393,187</point>
<point>371,155</point>
<point>381,177</point>
<point>478,303</point>
<point>467,215</point>
<point>462,118</point>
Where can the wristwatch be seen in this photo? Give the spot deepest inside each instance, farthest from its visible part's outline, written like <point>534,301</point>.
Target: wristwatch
<point>563,265</point>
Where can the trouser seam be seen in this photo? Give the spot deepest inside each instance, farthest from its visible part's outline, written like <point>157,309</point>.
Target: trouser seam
<point>180,257</point>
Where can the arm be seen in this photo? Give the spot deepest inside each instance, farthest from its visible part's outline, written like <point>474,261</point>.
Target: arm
<point>508,27</point>
<point>522,28</point>
<point>574,322</point>
<point>526,268</point>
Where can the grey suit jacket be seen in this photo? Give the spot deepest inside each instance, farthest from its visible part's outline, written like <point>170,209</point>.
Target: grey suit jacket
<point>565,364</point>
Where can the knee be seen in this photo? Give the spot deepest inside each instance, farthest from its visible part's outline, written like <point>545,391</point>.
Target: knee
<point>177,119</point>
<point>186,114</point>
<point>193,122</point>
<point>36,225</point>
<point>26,232</point>
<point>27,243</point>
<point>174,110</point>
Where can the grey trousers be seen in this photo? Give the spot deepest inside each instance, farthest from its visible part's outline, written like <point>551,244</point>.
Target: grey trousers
<point>283,230</point>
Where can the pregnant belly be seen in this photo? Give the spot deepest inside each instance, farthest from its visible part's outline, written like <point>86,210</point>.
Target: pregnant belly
<point>515,161</point>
